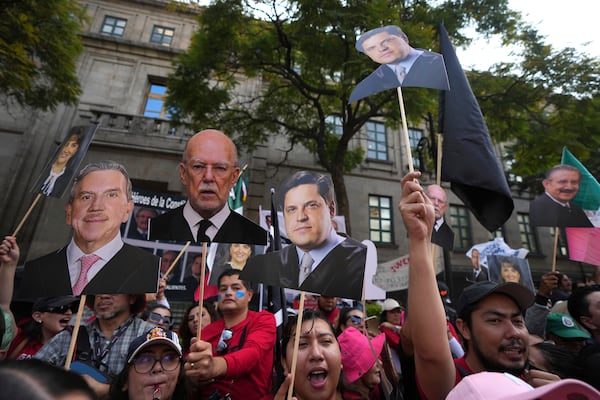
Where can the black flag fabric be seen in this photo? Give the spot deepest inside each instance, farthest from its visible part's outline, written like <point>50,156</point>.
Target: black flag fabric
<point>469,162</point>
<point>276,295</point>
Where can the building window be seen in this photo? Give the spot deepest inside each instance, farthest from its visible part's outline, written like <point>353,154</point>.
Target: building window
<point>414,136</point>
<point>528,238</point>
<point>461,225</point>
<point>113,26</point>
<point>334,124</point>
<point>376,141</point>
<point>162,35</point>
<point>380,219</point>
<point>155,101</point>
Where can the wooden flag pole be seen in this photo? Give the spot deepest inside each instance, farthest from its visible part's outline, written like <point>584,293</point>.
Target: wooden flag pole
<point>438,172</point>
<point>556,230</point>
<point>438,181</point>
<point>33,204</point>
<point>187,244</point>
<point>201,283</point>
<point>296,344</point>
<point>75,332</point>
<point>405,137</point>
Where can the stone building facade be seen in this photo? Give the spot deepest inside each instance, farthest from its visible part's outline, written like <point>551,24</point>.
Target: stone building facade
<point>129,50</point>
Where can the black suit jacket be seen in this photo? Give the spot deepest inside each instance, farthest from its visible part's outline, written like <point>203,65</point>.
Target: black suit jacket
<point>482,276</point>
<point>443,237</point>
<point>428,71</point>
<point>131,270</point>
<point>543,211</point>
<point>341,273</point>
<point>172,226</point>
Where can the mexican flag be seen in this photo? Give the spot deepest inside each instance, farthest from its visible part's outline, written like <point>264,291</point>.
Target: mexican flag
<point>239,193</point>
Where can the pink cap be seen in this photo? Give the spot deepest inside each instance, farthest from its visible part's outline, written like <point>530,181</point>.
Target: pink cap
<point>504,386</point>
<point>357,356</point>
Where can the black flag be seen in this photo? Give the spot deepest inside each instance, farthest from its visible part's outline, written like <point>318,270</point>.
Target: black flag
<point>276,295</point>
<point>469,162</point>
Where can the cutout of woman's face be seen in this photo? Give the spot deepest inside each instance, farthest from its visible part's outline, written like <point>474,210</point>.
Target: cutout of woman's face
<point>509,273</point>
<point>240,253</point>
<point>68,150</point>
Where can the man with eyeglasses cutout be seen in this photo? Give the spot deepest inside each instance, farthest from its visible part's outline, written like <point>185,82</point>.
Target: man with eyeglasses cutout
<point>208,170</point>
<point>235,354</point>
<point>442,234</point>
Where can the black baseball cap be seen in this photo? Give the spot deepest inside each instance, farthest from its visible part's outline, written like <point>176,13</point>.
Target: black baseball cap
<point>48,303</point>
<point>477,291</point>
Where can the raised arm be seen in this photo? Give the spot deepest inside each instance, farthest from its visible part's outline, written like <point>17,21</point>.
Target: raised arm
<point>433,360</point>
<point>9,257</point>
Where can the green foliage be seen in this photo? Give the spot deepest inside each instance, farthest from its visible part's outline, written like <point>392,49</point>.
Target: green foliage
<point>373,309</point>
<point>544,102</point>
<point>39,45</point>
<point>261,68</point>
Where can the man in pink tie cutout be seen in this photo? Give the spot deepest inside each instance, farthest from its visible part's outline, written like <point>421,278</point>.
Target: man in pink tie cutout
<point>96,260</point>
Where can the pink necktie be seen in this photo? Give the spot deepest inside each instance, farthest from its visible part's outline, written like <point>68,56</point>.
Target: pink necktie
<point>86,264</point>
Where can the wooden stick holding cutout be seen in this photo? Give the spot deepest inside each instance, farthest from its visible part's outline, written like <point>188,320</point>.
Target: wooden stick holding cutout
<point>405,137</point>
<point>201,285</point>
<point>27,214</point>
<point>296,344</point>
<point>556,231</point>
<point>75,332</point>
<point>166,274</point>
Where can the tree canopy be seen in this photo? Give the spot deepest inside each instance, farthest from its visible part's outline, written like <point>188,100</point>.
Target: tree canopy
<point>298,65</point>
<point>39,46</point>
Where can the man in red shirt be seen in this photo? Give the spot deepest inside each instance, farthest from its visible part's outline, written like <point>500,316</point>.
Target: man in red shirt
<point>235,353</point>
<point>327,307</point>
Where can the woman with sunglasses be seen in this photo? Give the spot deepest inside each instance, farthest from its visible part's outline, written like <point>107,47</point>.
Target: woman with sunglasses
<point>49,316</point>
<point>159,315</point>
<point>153,369</point>
<point>350,316</point>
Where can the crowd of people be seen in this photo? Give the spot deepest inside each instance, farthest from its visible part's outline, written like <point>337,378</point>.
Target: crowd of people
<point>127,348</point>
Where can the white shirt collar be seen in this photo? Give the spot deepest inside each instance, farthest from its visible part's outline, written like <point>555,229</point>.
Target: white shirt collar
<point>556,201</point>
<point>217,220</point>
<point>408,61</point>
<point>438,224</point>
<point>318,254</point>
<point>106,252</point>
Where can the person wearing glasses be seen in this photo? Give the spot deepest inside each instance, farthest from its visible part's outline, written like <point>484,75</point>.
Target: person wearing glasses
<point>109,335</point>
<point>159,315</point>
<point>350,316</point>
<point>153,369</point>
<point>235,353</point>
<point>442,234</point>
<point>49,316</point>
<point>208,171</point>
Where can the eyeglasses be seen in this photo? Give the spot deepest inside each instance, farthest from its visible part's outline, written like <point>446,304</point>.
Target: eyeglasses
<point>219,170</point>
<point>355,319</point>
<point>227,334</point>
<point>156,318</point>
<point>60,310</point>
<point>145,362</point>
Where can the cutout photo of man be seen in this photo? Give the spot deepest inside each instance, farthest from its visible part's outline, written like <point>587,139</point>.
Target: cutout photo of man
<point>555,208</point>
<point>319,260</point>
<point>402,65</point>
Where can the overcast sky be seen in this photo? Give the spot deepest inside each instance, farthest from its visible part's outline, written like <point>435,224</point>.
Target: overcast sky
<point>565,23</point>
